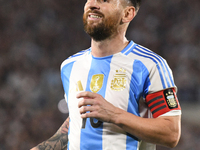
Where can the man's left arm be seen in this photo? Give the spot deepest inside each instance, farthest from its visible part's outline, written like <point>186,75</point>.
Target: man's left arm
<point>163,130</point>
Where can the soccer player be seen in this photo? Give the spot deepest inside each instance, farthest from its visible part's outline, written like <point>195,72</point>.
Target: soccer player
<point>121,95</point>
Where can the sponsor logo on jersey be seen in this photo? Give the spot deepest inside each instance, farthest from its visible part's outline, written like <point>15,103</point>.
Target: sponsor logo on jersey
<point>170,98</point>
<point>79,86</point>
<point>119,81</point>
<point>96,82</point>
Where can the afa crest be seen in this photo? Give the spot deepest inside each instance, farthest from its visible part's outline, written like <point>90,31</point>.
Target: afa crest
<point>96,82</point>
<point>170,98</point>
<point>119,81</point>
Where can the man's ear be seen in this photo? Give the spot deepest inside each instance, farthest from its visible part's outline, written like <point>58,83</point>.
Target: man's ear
<point>129,14</point>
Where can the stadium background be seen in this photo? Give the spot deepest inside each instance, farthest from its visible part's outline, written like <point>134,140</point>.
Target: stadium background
<point>37,35</point>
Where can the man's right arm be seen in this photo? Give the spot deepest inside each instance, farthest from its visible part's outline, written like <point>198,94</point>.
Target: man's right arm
<point>58,141</point>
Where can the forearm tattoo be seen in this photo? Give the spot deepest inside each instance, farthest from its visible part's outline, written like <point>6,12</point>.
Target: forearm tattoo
<point>58,141</point>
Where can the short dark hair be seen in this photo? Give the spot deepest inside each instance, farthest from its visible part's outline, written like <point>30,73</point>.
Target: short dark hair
<point>136,3</point>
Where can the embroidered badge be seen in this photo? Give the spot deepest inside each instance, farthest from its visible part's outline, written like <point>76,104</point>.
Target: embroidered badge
<point>170,98</point>
<point>119,81</point>
<point>96,82</point>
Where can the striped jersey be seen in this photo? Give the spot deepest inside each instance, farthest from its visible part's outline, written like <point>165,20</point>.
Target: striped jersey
<point>123,79</point>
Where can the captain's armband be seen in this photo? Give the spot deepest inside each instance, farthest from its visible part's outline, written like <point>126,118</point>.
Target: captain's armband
<point>162,102</point>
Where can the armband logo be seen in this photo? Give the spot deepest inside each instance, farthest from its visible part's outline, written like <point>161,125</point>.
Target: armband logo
<point>170,98</point>
<point>119,81</point>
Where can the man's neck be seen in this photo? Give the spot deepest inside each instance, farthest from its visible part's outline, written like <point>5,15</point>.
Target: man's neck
<point>108,47</point>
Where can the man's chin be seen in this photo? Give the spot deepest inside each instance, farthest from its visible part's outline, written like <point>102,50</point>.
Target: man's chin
<point>93,25</point>
<point>92,29</point>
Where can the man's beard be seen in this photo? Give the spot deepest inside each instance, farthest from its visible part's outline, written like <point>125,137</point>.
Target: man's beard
<point>106,29</point>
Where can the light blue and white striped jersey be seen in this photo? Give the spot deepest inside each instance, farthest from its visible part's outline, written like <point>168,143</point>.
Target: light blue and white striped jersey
<point>123,79</point>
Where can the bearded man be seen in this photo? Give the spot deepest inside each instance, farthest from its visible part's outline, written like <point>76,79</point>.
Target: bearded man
<point>120,95</point>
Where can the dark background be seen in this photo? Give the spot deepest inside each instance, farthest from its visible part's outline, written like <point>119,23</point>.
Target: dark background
<point>37,35</point>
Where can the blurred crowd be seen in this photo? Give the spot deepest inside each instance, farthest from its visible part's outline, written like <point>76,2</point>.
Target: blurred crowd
<point>37,35</point>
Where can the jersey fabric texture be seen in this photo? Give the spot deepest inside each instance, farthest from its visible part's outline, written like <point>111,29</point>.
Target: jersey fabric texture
<point>123,79</point>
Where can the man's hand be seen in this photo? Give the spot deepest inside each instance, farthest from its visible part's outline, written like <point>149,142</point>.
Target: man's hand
<point>93,105</point>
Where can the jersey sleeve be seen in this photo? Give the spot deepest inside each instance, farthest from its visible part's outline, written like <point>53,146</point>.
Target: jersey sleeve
<point>160,77</point>
<point>161,97</point>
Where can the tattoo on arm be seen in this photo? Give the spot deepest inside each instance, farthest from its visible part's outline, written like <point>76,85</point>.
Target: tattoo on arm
<point>58,141</point>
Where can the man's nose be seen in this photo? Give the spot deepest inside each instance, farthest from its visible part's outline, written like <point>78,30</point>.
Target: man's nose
<point>94,4</point>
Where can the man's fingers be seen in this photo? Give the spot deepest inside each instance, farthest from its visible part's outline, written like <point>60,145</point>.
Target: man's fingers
<point>85,109</point>
<point>85,94</point>
<point>90,114</point>
<point>85,102</point>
